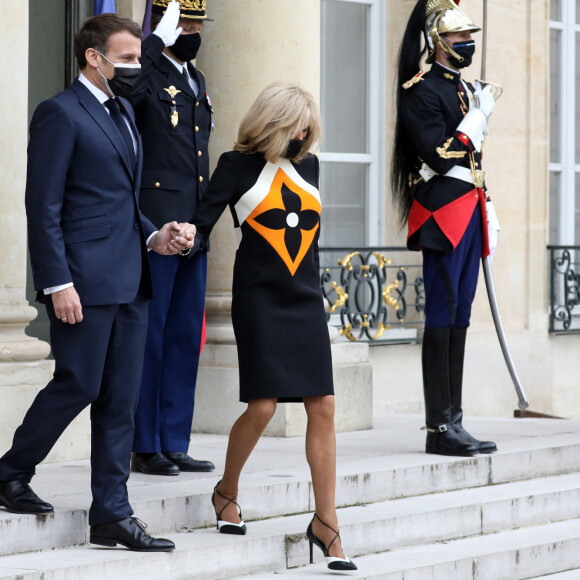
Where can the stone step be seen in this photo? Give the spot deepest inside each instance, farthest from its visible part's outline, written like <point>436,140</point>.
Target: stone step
<point>366,529</point>
<point>550,551</point>
<point>569,575</point>
<point>365,475</point>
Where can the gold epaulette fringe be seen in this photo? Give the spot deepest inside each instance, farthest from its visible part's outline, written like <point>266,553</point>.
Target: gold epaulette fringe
<point>417,78</point>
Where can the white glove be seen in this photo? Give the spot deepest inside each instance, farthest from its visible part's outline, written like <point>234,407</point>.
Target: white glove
<point>484,100</point>
<point>474,125</point>
<point>167,29</point>
<point>492,227</point>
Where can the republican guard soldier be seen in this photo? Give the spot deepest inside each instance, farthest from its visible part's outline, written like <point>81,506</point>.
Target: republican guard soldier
<point>439,186</point>
<point>174,116</point>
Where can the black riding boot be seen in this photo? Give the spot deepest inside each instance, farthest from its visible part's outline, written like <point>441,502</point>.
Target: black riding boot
<point>441,437</point>
<point>456,356</point>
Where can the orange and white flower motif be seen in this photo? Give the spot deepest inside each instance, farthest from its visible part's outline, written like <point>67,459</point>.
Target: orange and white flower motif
<point>287,213</point>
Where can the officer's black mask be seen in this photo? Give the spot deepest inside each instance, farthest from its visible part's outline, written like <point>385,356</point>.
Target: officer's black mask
<point>465,49</point>
<point>186,46</point>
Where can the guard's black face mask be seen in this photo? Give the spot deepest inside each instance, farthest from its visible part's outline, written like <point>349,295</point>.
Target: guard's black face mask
<point>465,49</point>
<point>186,46</point>
<point>294,148</point>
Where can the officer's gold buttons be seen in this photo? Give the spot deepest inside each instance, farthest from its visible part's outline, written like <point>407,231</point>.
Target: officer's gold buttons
<point>196,128</point>
<point>197,104</point>
<point>173,103</point>
<point>157,184</point>
<point>200,178</point>
<point>199,153</point>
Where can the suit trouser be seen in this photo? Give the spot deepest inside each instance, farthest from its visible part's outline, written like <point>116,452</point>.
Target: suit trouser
<point>451,279</point>
<point>165,411</point>
<point>97,362</point>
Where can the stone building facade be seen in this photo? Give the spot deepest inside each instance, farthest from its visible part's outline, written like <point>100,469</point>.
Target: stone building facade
<point>342,51</point>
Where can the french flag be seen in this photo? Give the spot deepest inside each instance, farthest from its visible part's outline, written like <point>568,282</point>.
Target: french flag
<point>104,6</point>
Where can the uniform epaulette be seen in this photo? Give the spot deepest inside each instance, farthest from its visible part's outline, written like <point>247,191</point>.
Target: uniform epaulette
<point>417,78</point>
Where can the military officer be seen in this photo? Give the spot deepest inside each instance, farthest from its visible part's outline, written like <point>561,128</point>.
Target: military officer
<point>439,186</point>
<point>174,116</point>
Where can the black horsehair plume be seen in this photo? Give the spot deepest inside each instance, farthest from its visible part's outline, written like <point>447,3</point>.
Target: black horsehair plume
<point>404,159</point>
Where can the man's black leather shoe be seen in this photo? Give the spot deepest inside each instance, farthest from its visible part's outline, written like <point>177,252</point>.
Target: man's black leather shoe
<point>153,464</point>
<point>130,533</point>
<point>18,498</point>
<point>187,463</point>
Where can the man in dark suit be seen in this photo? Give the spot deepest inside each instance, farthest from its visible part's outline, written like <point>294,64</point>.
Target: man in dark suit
<point>174,115</point>
<point>88,246</point>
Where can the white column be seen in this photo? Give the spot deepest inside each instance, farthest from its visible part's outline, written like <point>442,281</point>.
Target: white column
<point>23,372</point>
<point>15,312</point>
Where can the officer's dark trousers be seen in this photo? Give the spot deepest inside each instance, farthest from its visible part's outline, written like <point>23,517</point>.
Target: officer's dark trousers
<point>165,411</point>
<point>451,279</point>
<point>97,362</point>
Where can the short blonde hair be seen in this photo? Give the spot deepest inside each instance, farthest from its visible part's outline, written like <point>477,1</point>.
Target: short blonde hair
<point>280,112</point>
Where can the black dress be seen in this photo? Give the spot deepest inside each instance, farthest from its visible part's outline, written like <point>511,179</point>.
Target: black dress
<point>277,308</point>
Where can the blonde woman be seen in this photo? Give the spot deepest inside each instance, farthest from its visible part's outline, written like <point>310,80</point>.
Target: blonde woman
<point>270,182</point>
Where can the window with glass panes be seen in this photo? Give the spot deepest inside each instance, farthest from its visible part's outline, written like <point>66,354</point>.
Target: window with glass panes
<point>351,179</point>
<point>564,122</point>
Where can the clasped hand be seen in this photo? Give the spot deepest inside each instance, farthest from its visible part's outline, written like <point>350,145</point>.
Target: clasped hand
<point>172,238</point>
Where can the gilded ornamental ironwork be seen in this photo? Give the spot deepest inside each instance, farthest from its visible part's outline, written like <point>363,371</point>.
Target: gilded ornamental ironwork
<point>371,291</point>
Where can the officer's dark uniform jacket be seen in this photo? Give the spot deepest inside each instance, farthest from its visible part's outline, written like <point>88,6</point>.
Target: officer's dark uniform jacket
<point>432,108</point>
<point>176,161</point>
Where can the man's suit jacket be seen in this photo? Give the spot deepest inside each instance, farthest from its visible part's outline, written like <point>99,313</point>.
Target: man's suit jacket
<point>176,159</point>
<point>84,225</point>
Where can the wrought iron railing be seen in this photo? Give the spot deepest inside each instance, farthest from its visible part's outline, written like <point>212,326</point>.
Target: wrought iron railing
<point>564,289</point>
<point>375,294</point>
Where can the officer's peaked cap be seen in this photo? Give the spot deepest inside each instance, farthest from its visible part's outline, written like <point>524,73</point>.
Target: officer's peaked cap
<point>190,9</point>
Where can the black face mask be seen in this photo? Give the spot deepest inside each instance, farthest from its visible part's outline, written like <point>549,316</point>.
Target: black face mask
<point>465,49</point>
<point>186,46</point>
<point>125,78</point>
<point>124,81</point>
<point>294,148</point>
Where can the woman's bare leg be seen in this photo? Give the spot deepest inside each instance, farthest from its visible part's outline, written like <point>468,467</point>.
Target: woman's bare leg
<point>243,438</point>
<point>321,456</point>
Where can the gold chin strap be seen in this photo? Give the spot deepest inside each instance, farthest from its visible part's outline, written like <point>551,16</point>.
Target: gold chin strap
<point>444,46</point>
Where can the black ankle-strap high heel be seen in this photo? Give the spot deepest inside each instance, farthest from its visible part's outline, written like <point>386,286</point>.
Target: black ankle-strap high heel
<point>223,526</point>
<point>332,562</point>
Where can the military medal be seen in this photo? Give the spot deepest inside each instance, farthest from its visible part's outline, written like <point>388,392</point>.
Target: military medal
<point>174,117</point>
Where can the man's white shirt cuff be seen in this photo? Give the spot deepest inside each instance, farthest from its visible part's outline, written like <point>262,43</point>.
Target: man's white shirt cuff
<point>54,289</point>
<point>149,239</point>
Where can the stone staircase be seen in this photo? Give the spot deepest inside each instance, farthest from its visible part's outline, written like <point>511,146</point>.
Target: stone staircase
<point>404,514</point>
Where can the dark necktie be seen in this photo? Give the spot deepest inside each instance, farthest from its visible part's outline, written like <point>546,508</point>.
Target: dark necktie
<point>117,117</point>
<point>185,76</point>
